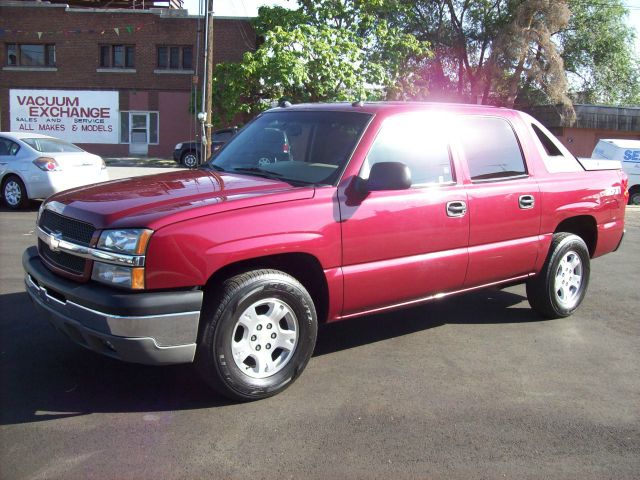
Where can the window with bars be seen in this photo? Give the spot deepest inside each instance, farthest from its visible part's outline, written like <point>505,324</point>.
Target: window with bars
<point>171,57</point>
<point>31,55</point>
<point>117,56</point>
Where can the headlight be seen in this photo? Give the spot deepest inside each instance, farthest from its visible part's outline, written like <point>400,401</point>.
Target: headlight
<point>126,242</point>
<point>178,146</point>
<point>130,241</point>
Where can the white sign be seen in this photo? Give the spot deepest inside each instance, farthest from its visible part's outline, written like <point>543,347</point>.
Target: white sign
<point>78,116</point>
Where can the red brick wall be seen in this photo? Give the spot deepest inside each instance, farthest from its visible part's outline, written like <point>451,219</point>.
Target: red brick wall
<point>78,54</point>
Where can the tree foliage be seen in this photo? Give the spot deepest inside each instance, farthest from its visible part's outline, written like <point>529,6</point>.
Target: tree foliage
<point>502,52</point>
<point>325,50</point>
<point>523,52</point>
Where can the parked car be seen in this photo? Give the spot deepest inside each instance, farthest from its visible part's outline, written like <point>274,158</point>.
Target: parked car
<point>626,151</point>
<point>188,153</point>
<point>375,206</point>
<point>35,166</point>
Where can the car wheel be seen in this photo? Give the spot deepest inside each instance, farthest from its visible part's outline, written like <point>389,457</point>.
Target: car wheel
<point>258,335</point>
<point>558,290</point>
<point>190,159</point>
<point>14,192</point>
<point>634,198</point>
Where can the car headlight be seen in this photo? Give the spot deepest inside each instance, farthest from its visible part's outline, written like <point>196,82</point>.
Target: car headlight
<point>178,146</point>
<point>125,242</point>
<point>130,241</point>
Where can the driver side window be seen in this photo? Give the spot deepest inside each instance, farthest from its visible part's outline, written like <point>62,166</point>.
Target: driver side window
<point>411,140</point>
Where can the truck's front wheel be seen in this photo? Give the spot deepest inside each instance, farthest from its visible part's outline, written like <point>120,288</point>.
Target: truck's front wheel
<point>259,335</point>
<point>558,290</point>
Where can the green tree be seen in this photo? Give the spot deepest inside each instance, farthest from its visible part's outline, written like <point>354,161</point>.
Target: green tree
<point>519,52</point>
<point>324,51</point>
<point>598,52</point>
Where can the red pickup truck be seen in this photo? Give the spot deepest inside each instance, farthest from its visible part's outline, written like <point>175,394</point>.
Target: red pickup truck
<point>318,213</point>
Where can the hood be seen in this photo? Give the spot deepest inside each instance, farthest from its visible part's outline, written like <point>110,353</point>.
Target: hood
<point>153,201</point>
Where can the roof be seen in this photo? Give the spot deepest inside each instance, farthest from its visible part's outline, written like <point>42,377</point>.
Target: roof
<point>375,107</point>
<point>21,135</point>
<point>622,142</point>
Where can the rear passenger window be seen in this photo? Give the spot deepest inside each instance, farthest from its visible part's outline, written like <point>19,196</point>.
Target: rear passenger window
<point>412,140</point>
<point>549,147</point>
<point>491,149</point>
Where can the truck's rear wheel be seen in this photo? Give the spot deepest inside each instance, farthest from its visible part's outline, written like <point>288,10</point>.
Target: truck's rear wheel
<point>259,335</point>
<point>558,290</point>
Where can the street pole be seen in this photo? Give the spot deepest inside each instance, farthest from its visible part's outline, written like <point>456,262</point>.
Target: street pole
<point>208,77</point>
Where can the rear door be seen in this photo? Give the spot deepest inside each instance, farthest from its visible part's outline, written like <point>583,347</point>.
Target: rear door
<point>404,245</point>
<point>504,202</point>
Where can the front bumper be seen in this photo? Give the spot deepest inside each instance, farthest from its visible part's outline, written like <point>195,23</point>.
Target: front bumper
<point>154,328</point>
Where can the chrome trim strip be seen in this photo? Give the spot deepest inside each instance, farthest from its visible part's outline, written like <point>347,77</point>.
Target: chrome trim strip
<point>436,296</point>
<point>57,244</point>
<point>111,315</point>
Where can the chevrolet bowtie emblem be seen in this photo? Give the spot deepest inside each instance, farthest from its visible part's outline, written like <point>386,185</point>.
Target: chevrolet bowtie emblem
<point>54,241</point>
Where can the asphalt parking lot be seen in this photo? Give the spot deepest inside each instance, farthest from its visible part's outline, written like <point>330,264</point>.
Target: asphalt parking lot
<point>470,387</point>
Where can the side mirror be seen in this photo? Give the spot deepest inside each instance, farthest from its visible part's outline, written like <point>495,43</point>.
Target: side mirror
<point>386,176</point>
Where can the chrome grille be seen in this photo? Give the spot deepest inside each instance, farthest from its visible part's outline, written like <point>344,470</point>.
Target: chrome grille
<point>62,260</point>
<point>71,229</point>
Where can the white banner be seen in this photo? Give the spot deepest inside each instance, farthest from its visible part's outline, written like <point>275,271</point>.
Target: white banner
<point>78,116</point>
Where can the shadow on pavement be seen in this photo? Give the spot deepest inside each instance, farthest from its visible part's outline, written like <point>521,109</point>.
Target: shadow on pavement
<point>44,376</point>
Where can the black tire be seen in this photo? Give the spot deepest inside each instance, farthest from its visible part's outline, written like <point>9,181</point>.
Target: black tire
<point>556,300</point>
<point>14,193</point>
<point>634,198</point>
<point>190,159</point>
<point>221,328</point>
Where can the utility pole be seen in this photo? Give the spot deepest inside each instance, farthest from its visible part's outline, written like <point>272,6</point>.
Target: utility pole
<point>208,76</point>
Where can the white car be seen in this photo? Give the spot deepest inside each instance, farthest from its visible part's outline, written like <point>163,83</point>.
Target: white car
<point>36,166</point>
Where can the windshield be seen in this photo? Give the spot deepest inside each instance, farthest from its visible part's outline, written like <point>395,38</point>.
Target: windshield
<point>51,145</point>
<point>295,146</point>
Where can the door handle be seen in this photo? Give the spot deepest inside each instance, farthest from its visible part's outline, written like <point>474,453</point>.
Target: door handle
<point>526,201</point>
<point>456,208</point>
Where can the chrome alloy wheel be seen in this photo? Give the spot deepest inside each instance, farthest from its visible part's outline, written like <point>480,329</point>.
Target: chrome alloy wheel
<point>568,281</point>
<point>12,193</point>
<point>264,338</point>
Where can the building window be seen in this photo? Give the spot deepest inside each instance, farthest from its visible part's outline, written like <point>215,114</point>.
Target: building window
<point>117,56</point>
<point>175,58</point>
<point>31,55</point>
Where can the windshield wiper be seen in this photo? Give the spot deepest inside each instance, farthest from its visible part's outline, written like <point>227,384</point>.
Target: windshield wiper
<point>258,171</point>
<point>215,167</point>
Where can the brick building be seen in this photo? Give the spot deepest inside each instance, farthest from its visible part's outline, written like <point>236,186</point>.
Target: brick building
<point>593,122</point>
<point>114,81</point>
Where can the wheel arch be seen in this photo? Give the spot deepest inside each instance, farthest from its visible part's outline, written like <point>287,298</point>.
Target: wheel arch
<point>633,190</point>
<point>584,226</point>
<point>10,173</point>
<point>304,267</point>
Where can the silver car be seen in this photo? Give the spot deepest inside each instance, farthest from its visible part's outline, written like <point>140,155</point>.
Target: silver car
<point>36,166</point>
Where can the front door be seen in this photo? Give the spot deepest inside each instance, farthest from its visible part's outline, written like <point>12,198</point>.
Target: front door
<point>405,245</point>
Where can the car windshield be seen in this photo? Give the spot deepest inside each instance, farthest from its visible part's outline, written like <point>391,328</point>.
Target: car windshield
<point>51,145</point>
<point>297,146</point>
